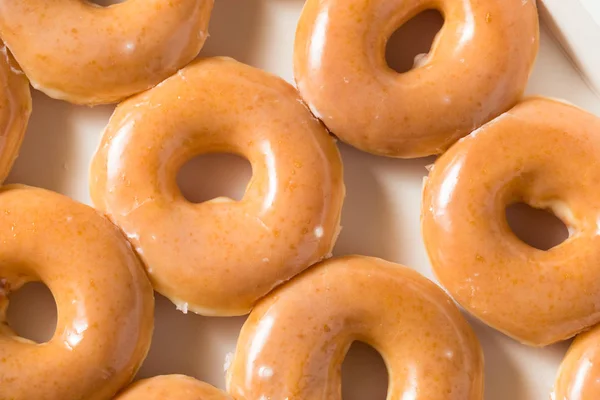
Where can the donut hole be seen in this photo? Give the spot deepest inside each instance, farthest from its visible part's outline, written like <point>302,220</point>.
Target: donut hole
<point>413,40</point>
<point>364,374</point>
<point>32,312</point>
<point>217,175</point>
<point>106,3</point>
<point>538,228</point>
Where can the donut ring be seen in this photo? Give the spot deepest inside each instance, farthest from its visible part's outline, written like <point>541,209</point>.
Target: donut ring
<point>579,373</point>
<point>104,300</point>
<point>478,67</point>
<point>76,51</point>
<point>544,153</point>
<point>220,256</point>
<point>171,387</point>
<point>15,109</point>
<point>293,344</point>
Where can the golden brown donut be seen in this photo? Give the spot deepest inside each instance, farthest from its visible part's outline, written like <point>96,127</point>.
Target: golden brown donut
<point>293,344</point>
<point>220,256</point>
<point>478,67</point>
<point>579,373</point>
<point>105,302</point>
<point>15,108</point>
<point>544,153</point>
<point>77,51</point>
<point>171,387</point>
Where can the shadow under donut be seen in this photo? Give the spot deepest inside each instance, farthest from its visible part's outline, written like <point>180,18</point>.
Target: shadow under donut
<point>366,222</point>
<point>190,344</point>
<point>51,156</point>
<point>505,369</point>
<point>371,209</point>
<point>234,30</point>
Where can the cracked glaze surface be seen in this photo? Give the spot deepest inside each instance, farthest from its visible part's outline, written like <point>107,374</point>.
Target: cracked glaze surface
<point>15,109</point>
<point>105,302</point>
<point>220,256</point>
<point>544,153</point>
<point>171,387</point>
<point>478,68</point>
<point>77,51</point>
<point>294,341</point>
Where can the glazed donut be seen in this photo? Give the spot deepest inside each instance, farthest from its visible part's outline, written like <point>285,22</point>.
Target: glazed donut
<point>171,387</point>
<point>478,67</point>
<point>293,344</point>
<point>544,153</point>
<point>76,51</point>
<point>105,302</point>
<point>15,109</point>
<point>220,256</point>
<point>579,374</point>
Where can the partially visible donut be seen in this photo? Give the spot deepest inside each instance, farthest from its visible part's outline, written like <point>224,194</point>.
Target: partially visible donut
<point>544,153</point>
<point>171,387</point>
<point>294,341</point>
<point>579,373</point>
<point>15,109</point>
<point>104,300</point>
<point>76,51</point>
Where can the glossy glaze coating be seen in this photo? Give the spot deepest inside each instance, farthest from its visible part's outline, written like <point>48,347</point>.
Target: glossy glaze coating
<point>293,344</point>
<point>15,108</point>
<point>77,51</point>
<point>220,256</point>
<point>105,302</point>
<point>478,68</point>
<point>171,387</point>
<point>544,153</point>
<point>579,374</point>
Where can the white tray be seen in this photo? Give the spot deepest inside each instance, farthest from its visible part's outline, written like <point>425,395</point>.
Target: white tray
<point>380,218</point>
<point>576,25</point>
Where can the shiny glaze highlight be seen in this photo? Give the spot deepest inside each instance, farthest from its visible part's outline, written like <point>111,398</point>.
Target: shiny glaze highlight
<point>293,344</point>
<point>171,387</point>
<point>478,67</point>
<point>105,302</point>
<point>76,51</point>
<point>15,109</point>
<point>544,153</point>
<point>220,256</point>
<point>579,374</point>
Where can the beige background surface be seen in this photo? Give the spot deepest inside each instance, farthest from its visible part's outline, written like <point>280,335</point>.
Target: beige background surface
<point>380,218</point>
